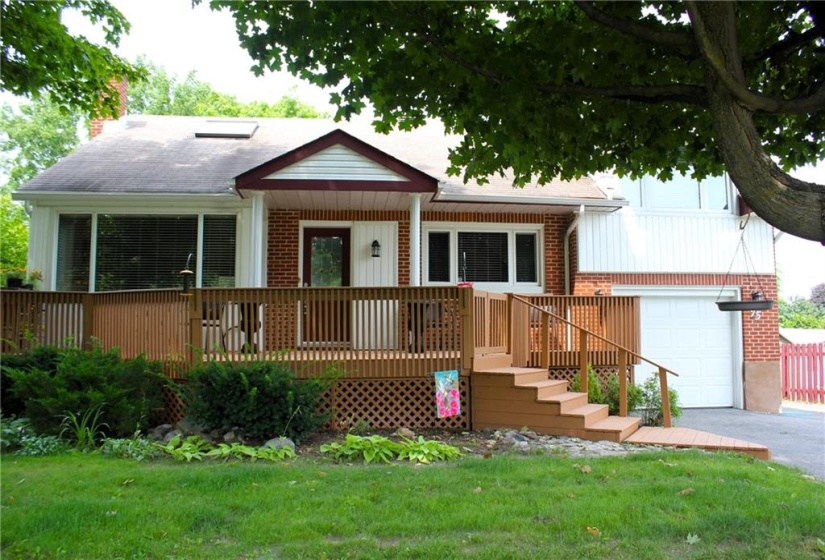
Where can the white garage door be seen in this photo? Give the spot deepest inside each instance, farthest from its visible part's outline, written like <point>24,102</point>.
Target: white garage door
<point>692,337</point>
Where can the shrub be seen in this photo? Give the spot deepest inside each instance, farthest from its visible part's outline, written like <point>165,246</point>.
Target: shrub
<point>45,358</point>
<point>651,403</point>
<point>634,395</point>
<point>129,391</point>
<point>595,394</point>
<point>609,394</point>
<point>262,399</point>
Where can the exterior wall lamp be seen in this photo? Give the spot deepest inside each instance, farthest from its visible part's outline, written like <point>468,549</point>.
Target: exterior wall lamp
<point>376,248</point>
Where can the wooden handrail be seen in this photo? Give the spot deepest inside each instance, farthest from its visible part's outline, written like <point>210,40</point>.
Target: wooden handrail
<point>624,352</point>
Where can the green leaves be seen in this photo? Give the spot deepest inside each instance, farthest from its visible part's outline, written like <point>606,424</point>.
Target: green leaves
<point>377,448</point>
<point>195,448</point>
<point>40,56</point>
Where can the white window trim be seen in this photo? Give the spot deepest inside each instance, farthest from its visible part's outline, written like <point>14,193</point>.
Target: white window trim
<point>703,200</point>
<point>198,213</point>
<point>453,228</point>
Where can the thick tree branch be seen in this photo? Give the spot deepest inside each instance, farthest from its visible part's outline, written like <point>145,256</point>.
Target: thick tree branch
<point>733,78</point>
<point>780,51</point>
<point>683,93</point>
<point>672,39</point>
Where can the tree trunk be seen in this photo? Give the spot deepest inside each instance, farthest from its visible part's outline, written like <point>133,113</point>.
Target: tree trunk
<point>793,206</point>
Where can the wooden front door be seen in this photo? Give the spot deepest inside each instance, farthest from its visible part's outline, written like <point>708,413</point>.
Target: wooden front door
<point>326,264</point>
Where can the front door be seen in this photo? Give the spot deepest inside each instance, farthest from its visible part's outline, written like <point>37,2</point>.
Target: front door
<point>326,318</point>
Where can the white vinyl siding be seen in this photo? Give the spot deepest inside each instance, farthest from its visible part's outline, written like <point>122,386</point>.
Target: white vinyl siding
<point>337,163</point>
<point>633,241</point>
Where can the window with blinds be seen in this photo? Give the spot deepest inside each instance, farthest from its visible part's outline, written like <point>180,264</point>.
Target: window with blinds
<point>143,252</point>
<point>138,252</point>
<point>482,257</point>
<point>74,235</point>
<point>438,256</point>
<point>219,243</point>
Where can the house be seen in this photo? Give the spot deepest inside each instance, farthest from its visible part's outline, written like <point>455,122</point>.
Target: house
<point>801,336</point>
<point>290,203</point>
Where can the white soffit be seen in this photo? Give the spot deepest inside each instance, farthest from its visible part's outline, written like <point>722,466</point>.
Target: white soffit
<point>337,163</point>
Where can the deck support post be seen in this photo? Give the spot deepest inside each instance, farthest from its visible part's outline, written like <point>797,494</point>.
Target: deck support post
<point>88,320</point>
<point>665,398</point>
<point>583,362</point>
<point>622,382</point>
<point>193,349</point>
<point>465,311</point>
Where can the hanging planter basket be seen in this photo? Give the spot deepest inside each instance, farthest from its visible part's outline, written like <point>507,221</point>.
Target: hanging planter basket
<point>756,302</point>
<point>758,305</point>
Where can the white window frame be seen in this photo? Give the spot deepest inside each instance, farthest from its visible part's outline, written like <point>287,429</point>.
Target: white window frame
<point>199,214</point>
<point>453,228</point>
<point>641,204</point>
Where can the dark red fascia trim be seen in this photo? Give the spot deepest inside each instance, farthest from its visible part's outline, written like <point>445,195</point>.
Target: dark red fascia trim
<point>254,178</point>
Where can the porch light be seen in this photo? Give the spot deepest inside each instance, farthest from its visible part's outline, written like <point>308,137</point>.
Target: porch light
<point>376,248</point>
<point>187,278</point>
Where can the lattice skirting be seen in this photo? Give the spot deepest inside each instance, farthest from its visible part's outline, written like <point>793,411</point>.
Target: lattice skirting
<point>173,410</point>
<point>602,372</point>
<point>378,403</point>
<point>392,403</point>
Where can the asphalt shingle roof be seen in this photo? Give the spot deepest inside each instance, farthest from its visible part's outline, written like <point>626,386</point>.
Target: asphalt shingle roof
<point>160,154</point>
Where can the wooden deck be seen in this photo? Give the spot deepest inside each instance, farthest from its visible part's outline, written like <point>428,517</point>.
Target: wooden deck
<point>688,437</point>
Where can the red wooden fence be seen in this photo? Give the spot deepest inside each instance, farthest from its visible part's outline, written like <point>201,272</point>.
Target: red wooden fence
<point>803,372</point>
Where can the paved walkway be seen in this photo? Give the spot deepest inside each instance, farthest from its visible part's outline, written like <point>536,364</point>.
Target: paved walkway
<point>796,437</point>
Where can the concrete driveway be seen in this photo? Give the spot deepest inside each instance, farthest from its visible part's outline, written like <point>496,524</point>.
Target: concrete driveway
<point>796,437</point>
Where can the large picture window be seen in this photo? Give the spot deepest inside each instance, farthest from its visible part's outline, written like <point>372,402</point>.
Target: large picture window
<point>680,193</point>
<point>486,257</point>
<point>138,252</point>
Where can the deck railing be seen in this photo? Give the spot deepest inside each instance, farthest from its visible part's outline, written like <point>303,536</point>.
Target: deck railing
<point>152,322</point>
<point>615,318</point>
<point>372,332</point>
<point>547,321</point>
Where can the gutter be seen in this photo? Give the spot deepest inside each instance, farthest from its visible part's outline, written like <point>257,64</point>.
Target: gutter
<point>544,201</point>
<point>570,229</point>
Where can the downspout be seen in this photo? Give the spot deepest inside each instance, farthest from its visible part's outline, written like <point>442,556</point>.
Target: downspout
<point>415,239</point>
<point>570,229</point>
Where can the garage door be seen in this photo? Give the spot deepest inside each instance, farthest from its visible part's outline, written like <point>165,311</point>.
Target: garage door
<point>691,336</point>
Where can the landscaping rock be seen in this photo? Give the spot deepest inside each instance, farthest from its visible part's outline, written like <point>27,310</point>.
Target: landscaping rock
<point>189,427</point>
<point>405,433</point>
<point>160,431</point>
<point>231,437</point>
<point>279,443</point>
<point>170,435</point>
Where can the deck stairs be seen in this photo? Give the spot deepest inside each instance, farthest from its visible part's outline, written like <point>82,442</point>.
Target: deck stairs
<point>515,397</point>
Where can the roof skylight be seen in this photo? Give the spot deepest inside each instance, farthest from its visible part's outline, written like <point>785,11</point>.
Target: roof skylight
<point>226,129</point>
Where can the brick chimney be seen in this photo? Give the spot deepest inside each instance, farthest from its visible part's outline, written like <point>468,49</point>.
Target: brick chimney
<point>96,124</point>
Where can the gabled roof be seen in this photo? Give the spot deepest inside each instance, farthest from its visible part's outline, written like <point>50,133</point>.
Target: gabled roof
<point>266,175</point>
<point>161,155</point>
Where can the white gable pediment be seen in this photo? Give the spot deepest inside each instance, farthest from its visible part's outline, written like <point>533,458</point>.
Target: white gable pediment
<point>337,163</point>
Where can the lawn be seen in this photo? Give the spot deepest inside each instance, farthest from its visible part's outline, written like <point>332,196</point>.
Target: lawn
<point>649,505</point>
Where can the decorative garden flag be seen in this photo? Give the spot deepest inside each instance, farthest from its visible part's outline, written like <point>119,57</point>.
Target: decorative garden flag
<point>447,396</point>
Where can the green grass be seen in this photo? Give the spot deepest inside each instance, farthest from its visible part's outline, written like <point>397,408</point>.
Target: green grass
<point>88,506</point>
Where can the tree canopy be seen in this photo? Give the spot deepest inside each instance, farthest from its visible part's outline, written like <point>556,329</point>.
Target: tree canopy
<point>576,87</point>
<point>39,55</point>
<point>162,94</point>
<point>34,138</point>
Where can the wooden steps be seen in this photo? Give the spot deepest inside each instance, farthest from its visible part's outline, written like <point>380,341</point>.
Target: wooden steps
<point>513,397</point>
